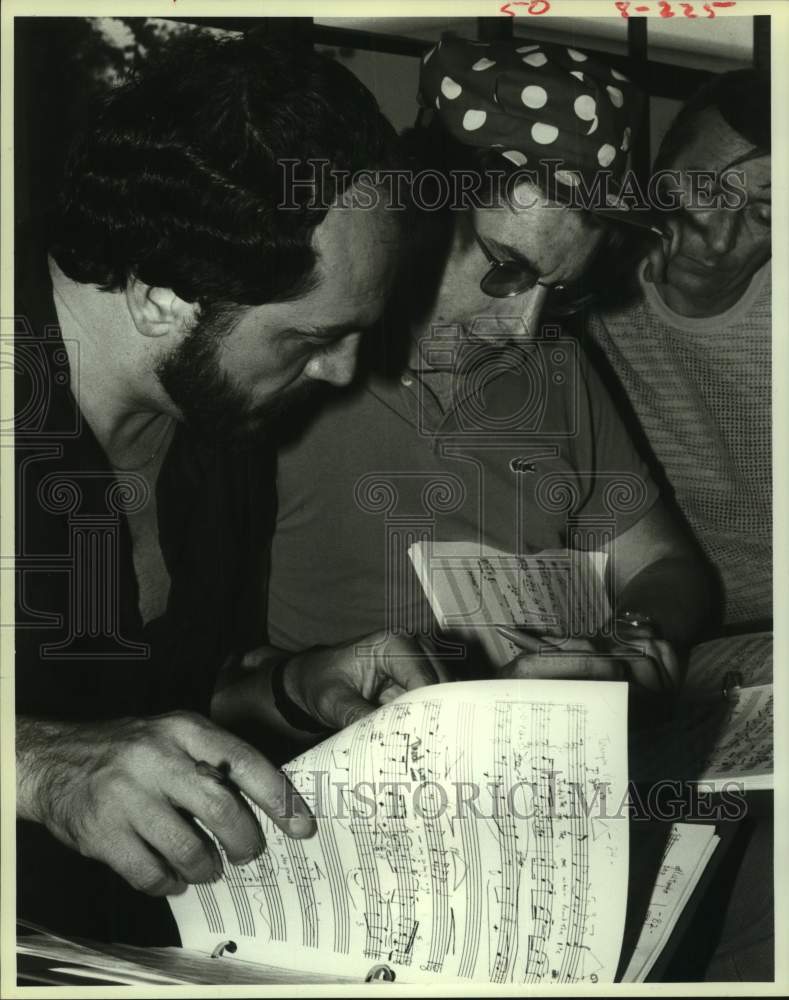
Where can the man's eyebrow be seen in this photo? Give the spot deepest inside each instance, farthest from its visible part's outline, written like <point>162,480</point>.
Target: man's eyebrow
<point>330,333</point>
<point>323,332</point>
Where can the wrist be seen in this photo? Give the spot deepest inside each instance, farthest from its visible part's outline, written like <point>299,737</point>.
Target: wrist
<point>287,700</point>
<point>37,773</point>
<point>632,624</point>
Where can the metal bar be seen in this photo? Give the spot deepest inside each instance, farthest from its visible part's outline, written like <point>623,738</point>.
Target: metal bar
<point>638,55</point>
<point>661,79</point>
<point>351,38</point>
<point>494,29</point>
<point>296,30</point>
<point>761,43</point>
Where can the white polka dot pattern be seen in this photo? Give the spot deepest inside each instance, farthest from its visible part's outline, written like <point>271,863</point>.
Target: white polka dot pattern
<point>543,133</point>
<point>606,154</point>
<point>515,156</point>
<point>473,119</point>
<point>533,101</point>
<point>585,107</point>
<point>534,96</point>
<point>567,177</point>
<point>450,89</point>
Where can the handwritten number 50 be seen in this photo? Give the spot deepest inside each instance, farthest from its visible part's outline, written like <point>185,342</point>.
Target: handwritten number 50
<point>532,7</point>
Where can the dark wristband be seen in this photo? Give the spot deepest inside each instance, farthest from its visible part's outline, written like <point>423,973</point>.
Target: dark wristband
<point>287,707</point>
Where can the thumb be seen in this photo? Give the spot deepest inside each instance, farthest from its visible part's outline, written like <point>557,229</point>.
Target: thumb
<point>347,707</point>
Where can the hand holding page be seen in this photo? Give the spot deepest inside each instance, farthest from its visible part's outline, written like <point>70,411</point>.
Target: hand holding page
<point>472,588</point>
<point>466,832</point>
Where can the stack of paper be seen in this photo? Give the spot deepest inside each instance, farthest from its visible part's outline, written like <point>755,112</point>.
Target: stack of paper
<point>689,848</point>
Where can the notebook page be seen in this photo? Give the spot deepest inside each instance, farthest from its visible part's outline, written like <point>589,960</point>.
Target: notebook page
<point>472,588</point>
<point>128,965</point>
<point>717,744</point>
<point>744,751</point>
<point>750,654</point>
<point>689,848</point>
<point>466,832</point>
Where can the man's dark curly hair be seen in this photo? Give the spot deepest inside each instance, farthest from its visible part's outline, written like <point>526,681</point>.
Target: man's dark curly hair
<point>177,179</point>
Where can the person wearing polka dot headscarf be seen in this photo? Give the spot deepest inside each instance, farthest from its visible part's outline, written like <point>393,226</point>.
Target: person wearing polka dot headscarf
<point>533,104</point>
<point>545,134</point>
<point>483,408</point>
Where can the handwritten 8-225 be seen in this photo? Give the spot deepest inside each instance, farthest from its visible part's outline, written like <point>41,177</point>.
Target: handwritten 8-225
<point>627,8</point>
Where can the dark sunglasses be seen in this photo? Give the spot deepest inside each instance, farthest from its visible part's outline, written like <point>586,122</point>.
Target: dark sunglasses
<point>505,279</point>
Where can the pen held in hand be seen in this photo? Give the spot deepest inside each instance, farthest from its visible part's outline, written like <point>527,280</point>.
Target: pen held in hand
<point>582,661</point>
<point>525,640</point>
<point>219,773</point>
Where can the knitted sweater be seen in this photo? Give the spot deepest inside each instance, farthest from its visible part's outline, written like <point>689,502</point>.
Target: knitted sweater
<point>701,391</point>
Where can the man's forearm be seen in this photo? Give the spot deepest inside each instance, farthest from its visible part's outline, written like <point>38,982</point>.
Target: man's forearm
<point>243,699</point>
<point>35,763</point>
<point>675,592</point>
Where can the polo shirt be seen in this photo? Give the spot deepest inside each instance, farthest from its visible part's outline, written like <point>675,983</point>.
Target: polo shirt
<point>528,455</point>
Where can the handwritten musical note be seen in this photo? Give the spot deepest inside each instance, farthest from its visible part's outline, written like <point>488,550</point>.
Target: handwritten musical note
<point>497,874</point>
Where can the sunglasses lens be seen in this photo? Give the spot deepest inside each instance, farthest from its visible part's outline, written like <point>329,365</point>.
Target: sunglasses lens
<point>505,280</point>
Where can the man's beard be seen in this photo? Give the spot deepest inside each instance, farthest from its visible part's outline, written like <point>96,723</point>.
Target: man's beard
<point>212,405</point>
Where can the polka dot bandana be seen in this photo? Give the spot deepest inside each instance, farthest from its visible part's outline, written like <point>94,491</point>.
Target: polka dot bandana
<point>533,102</point>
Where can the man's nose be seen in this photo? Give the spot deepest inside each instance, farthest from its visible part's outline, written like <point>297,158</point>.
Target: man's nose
<point>337,365</point>
<point>719,229</point>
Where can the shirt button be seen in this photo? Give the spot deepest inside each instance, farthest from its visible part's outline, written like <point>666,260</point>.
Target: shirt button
<point>407,381</point>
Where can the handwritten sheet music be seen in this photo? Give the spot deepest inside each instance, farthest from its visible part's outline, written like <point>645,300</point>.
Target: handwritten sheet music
<point>466,832</point>
<point>689,848</point>
<point>714,743</point>
<point>472,588</point>
<point>751,655</point>
<point>744,751</point>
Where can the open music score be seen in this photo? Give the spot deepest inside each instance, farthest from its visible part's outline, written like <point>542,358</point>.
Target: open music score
<point>713,742</point>
<point>743,753</point>
<point>466,832</point>
<point>472,588</point>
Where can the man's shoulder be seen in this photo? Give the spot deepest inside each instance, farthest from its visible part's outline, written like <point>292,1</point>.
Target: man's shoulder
<point>42,374</point>
<point>617,317</point>
<point>34,304</point>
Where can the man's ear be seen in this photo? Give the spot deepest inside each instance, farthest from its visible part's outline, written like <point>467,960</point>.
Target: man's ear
<point>158,312</point>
